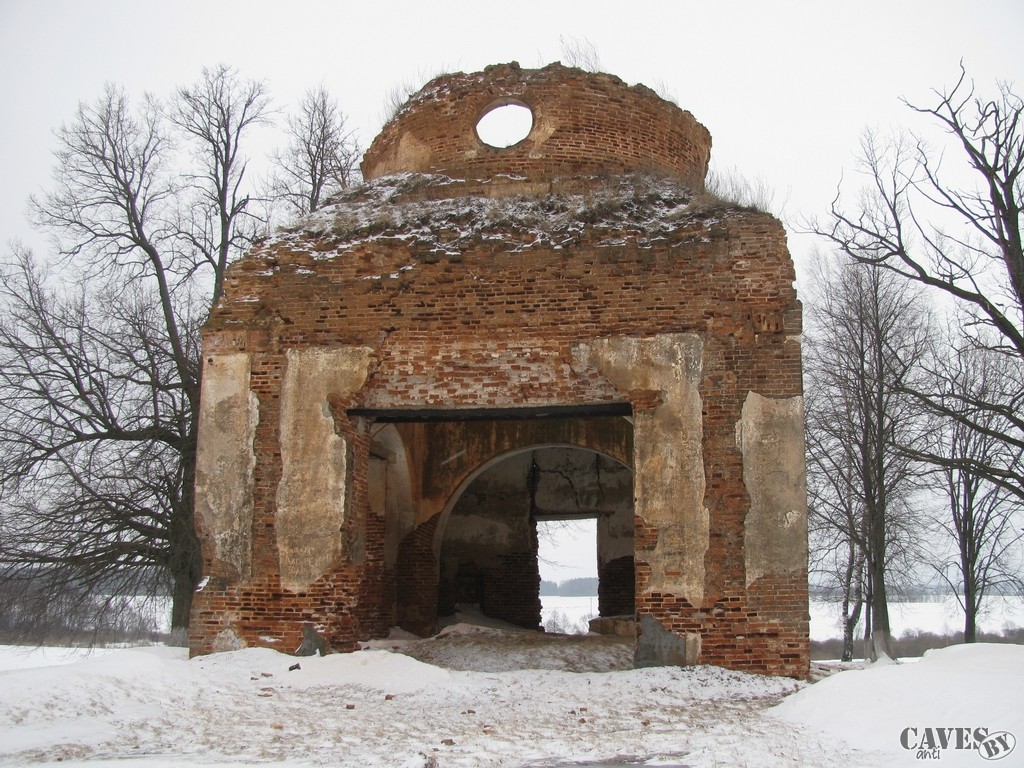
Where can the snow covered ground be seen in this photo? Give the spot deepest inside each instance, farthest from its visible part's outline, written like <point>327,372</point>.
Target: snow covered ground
<point>567,614</point>
<point>960,697</point>
<point>490,696</point>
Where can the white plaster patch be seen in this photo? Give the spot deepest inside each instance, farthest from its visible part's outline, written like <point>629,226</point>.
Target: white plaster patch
<point>227,640</point>
<point>311,497</point>
<point>226,459</point>
<point>770,436</point>
<point>669,481</point>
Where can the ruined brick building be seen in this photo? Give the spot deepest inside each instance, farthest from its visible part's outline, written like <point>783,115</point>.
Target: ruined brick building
<point>399,386</point>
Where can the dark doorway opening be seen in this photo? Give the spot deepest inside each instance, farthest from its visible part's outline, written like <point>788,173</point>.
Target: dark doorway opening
<point>489,551</point>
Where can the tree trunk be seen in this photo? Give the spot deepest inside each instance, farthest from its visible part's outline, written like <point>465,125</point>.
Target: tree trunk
<point>970,610</point>
<point>849,626</point>
<point>185,563</point>
<point>182,589</point>
<point>970,626</point>
<point>880,645</point>
<point>881,637</point>
<point>868,619</point>
<point>853,598</point>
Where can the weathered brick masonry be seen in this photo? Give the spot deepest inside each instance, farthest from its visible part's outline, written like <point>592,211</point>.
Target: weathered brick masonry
<point>468,304</point>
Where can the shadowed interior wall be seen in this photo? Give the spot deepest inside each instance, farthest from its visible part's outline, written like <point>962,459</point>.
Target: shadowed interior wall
<point>489,550</point>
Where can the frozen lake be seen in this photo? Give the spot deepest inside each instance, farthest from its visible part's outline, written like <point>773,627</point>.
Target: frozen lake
<point>942,616</point>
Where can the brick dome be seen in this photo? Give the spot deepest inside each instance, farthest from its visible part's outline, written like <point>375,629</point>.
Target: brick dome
<point>583,124</point>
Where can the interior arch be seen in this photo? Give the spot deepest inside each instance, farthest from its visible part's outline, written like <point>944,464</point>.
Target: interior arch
<point>487,540</point>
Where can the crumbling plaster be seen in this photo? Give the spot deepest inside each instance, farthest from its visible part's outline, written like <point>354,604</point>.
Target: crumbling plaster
<point>668,456</point>
<point>226,460</point>
<point>770,434</point>
<point>311,497</point>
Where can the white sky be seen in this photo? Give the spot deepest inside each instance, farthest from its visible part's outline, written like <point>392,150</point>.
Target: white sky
<point>785,88</point>
<point>567,549</point>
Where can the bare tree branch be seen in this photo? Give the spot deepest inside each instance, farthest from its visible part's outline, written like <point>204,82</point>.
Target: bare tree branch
<point>321,158</point>
<point>981,521</point>
<point>963,239</point>
<point>94,423</point>
<point>216,114</point>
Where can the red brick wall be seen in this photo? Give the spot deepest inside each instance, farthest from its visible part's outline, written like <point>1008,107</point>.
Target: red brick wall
<point>354,600</point>
<point>530,309</point>
<point>512,593</point>
<point>464,319</point>
<point>416,593</point>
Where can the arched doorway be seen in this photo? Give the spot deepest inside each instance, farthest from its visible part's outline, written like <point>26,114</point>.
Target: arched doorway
<point>488,545</point>
<point>446,453</point>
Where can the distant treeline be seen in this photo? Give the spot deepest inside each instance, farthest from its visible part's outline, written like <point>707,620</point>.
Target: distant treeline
<point>570,588</point>
<point>920,593</point>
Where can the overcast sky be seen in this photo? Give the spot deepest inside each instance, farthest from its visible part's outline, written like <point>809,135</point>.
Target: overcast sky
<point>786,88</point>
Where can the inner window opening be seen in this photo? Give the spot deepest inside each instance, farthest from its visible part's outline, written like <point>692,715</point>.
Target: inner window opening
<point>567,560</point>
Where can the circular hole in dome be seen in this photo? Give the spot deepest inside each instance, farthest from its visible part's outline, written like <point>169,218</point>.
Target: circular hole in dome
<point>505,124</point>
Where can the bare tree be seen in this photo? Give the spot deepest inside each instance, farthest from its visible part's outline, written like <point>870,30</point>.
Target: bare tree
<point>101,375</point>
<point>215,114</point>
<point>981,520</point>
<point>837,519</point>
<point>868,335</point>
<point>961,238</point>
<point>92,421</point>
<point>321,158</point>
